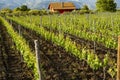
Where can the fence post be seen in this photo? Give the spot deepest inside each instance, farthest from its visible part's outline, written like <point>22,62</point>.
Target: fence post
<point>118,59</point>
<point>19,28</point>
<point>37,58</point>
<point>11,22</point>
<point>40,21</point>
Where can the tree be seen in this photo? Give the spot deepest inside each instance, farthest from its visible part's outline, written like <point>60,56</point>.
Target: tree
<point>17,9</point>
<point>24,8</point>
<point>85,7</point>
<point>106,5</point>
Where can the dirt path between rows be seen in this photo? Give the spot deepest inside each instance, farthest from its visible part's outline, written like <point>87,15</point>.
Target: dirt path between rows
<point>57,64</point>
<point>98,48</point>
<point>13,66</point>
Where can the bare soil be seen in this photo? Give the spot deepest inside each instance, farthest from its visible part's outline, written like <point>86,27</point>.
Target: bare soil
<point>56,63</point>
<point>12,66</point>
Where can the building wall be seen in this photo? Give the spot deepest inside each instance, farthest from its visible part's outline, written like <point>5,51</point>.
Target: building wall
<point>60,10</point>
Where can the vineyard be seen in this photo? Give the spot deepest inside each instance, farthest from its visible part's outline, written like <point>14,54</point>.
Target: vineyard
<point>11,64</point>
<point>71,47</point>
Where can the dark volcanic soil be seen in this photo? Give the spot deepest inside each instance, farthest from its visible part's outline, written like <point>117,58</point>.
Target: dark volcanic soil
<point>98,48</point>
<point>57,64</point>
<point>11,65</point>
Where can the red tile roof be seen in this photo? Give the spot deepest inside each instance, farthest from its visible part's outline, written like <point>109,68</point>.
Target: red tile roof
<point>62,5</point>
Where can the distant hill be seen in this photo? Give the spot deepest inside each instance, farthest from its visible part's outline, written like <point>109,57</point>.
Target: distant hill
<point>39,4</point>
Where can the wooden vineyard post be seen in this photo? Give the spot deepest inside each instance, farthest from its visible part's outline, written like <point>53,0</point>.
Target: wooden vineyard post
<point>50,20</point>
<point>37,58</point>
<point>19,28</point>
<point>11,22</point>
<point>118,59</point>
<point>40,21</point>
<point>94,34</point>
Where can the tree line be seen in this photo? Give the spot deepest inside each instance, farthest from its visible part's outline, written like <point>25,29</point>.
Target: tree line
<point>101,6</point>
<point>104,5</point>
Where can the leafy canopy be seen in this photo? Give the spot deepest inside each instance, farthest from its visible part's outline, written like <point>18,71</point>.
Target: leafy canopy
<point>106,5</point>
